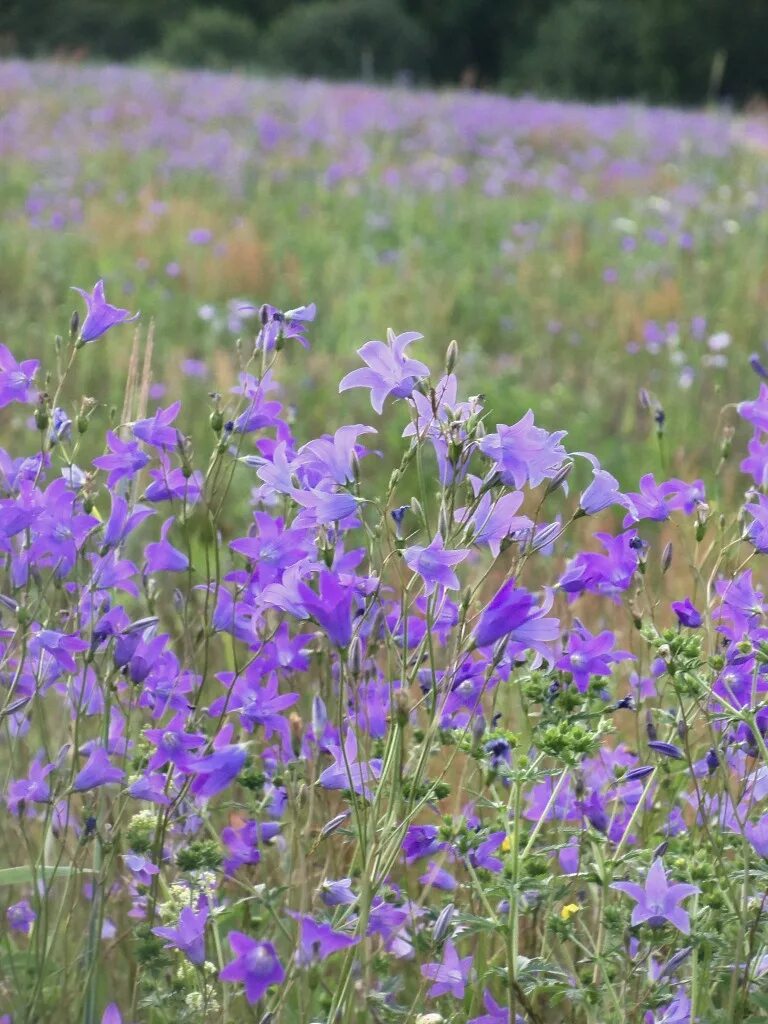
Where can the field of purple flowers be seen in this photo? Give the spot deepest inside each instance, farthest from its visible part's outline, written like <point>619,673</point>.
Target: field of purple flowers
<point>578,252</point>
<point>332,692</point>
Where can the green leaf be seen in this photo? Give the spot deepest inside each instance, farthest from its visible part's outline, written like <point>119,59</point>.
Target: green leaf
<point>25,875</point>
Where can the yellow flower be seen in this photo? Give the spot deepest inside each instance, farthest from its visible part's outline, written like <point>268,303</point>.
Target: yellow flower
<point>569,910</point>
<point>506,846</point>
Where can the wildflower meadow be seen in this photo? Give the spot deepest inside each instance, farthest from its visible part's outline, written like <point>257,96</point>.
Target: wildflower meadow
<point>344,681</point>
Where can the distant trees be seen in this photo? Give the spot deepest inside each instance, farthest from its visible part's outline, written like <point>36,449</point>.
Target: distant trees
<point>682,51</point>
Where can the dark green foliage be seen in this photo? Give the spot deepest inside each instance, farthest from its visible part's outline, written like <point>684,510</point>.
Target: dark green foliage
<point>354,38</point>
<point>669,51</point>
<point>211,37</point>
<point>585,48</point>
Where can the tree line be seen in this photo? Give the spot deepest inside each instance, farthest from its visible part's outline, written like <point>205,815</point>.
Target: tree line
<point>668,51</point>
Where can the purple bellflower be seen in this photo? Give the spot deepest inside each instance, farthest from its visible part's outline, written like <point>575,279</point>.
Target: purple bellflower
<point>21,917</point>
<point>101,316</point>
<point>389,371</point>
<point>318,940</point>
<point>16,379</point>
<point>256,965</point>
<point>97,771</point>
<point>524,453</point>
<point>434,564</point>
<point>512,612</point>
<point>188,934</point>
<point>450,976</point>
<point>658,902</point>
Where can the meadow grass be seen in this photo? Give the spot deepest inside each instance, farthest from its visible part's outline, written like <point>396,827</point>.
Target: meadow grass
<point>570,249</point>
<point>296,726</point>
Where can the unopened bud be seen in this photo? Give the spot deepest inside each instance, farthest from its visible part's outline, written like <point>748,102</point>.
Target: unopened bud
<point>726,442</point>
<point>478,729</point>
<point>443,525</point>
<point>355,657</point>
<point>41,417</point>
<point>319,716</point>
<point>335,823</point>
<point>297,731</point>
<point>74,324</point>
<point>451,356</point>
<point>666,557</point>
<point>443,924</point>
<point>418,511</point>
<point>559,478</point>
<point>402,708</point>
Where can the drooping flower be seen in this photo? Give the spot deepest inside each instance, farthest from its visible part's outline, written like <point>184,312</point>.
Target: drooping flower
<point>158,430</point>
<point>610,573</point>
<point>256,965</point>
<point>450,976</point>
<point>347,772</point>
<point>601,493</point>
<point>655,501</point>
<point>101,316</point>
<point>188,934</point>
<point>495,1013</point>
<point>97,771</point>
<point>162,556</point>
<point>16,379</point>
<point>658,902</point>
<point>317,940</point>
<point>278,325</point>
<point>512,612</point>
<point>214,773</point>
<point>337,892</point>
<point>21,917</point>
<point>687,614</point>
<point>756,412</point>
<point>33,789</point>
<point>676,1012</point>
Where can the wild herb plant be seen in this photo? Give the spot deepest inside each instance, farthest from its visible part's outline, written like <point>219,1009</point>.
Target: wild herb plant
<point>457,751</point>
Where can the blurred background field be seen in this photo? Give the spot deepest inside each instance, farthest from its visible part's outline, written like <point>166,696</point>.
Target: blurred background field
<point>577,252</point>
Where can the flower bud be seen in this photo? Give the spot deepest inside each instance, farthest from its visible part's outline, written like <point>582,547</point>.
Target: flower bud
<point>41,417</point>
<point>451,356</point>
<point>296,726</point>
<point>558,479</point>
<point>726,442</point>
<point>443,924</point>
<point>74,324</point>
<point>418,511</point>
<point>335,823</point>
<point>319,716</point>
<point>355,657</point>
<point>402,708</point>
<point>666,557</point>
<point>443,525</point>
